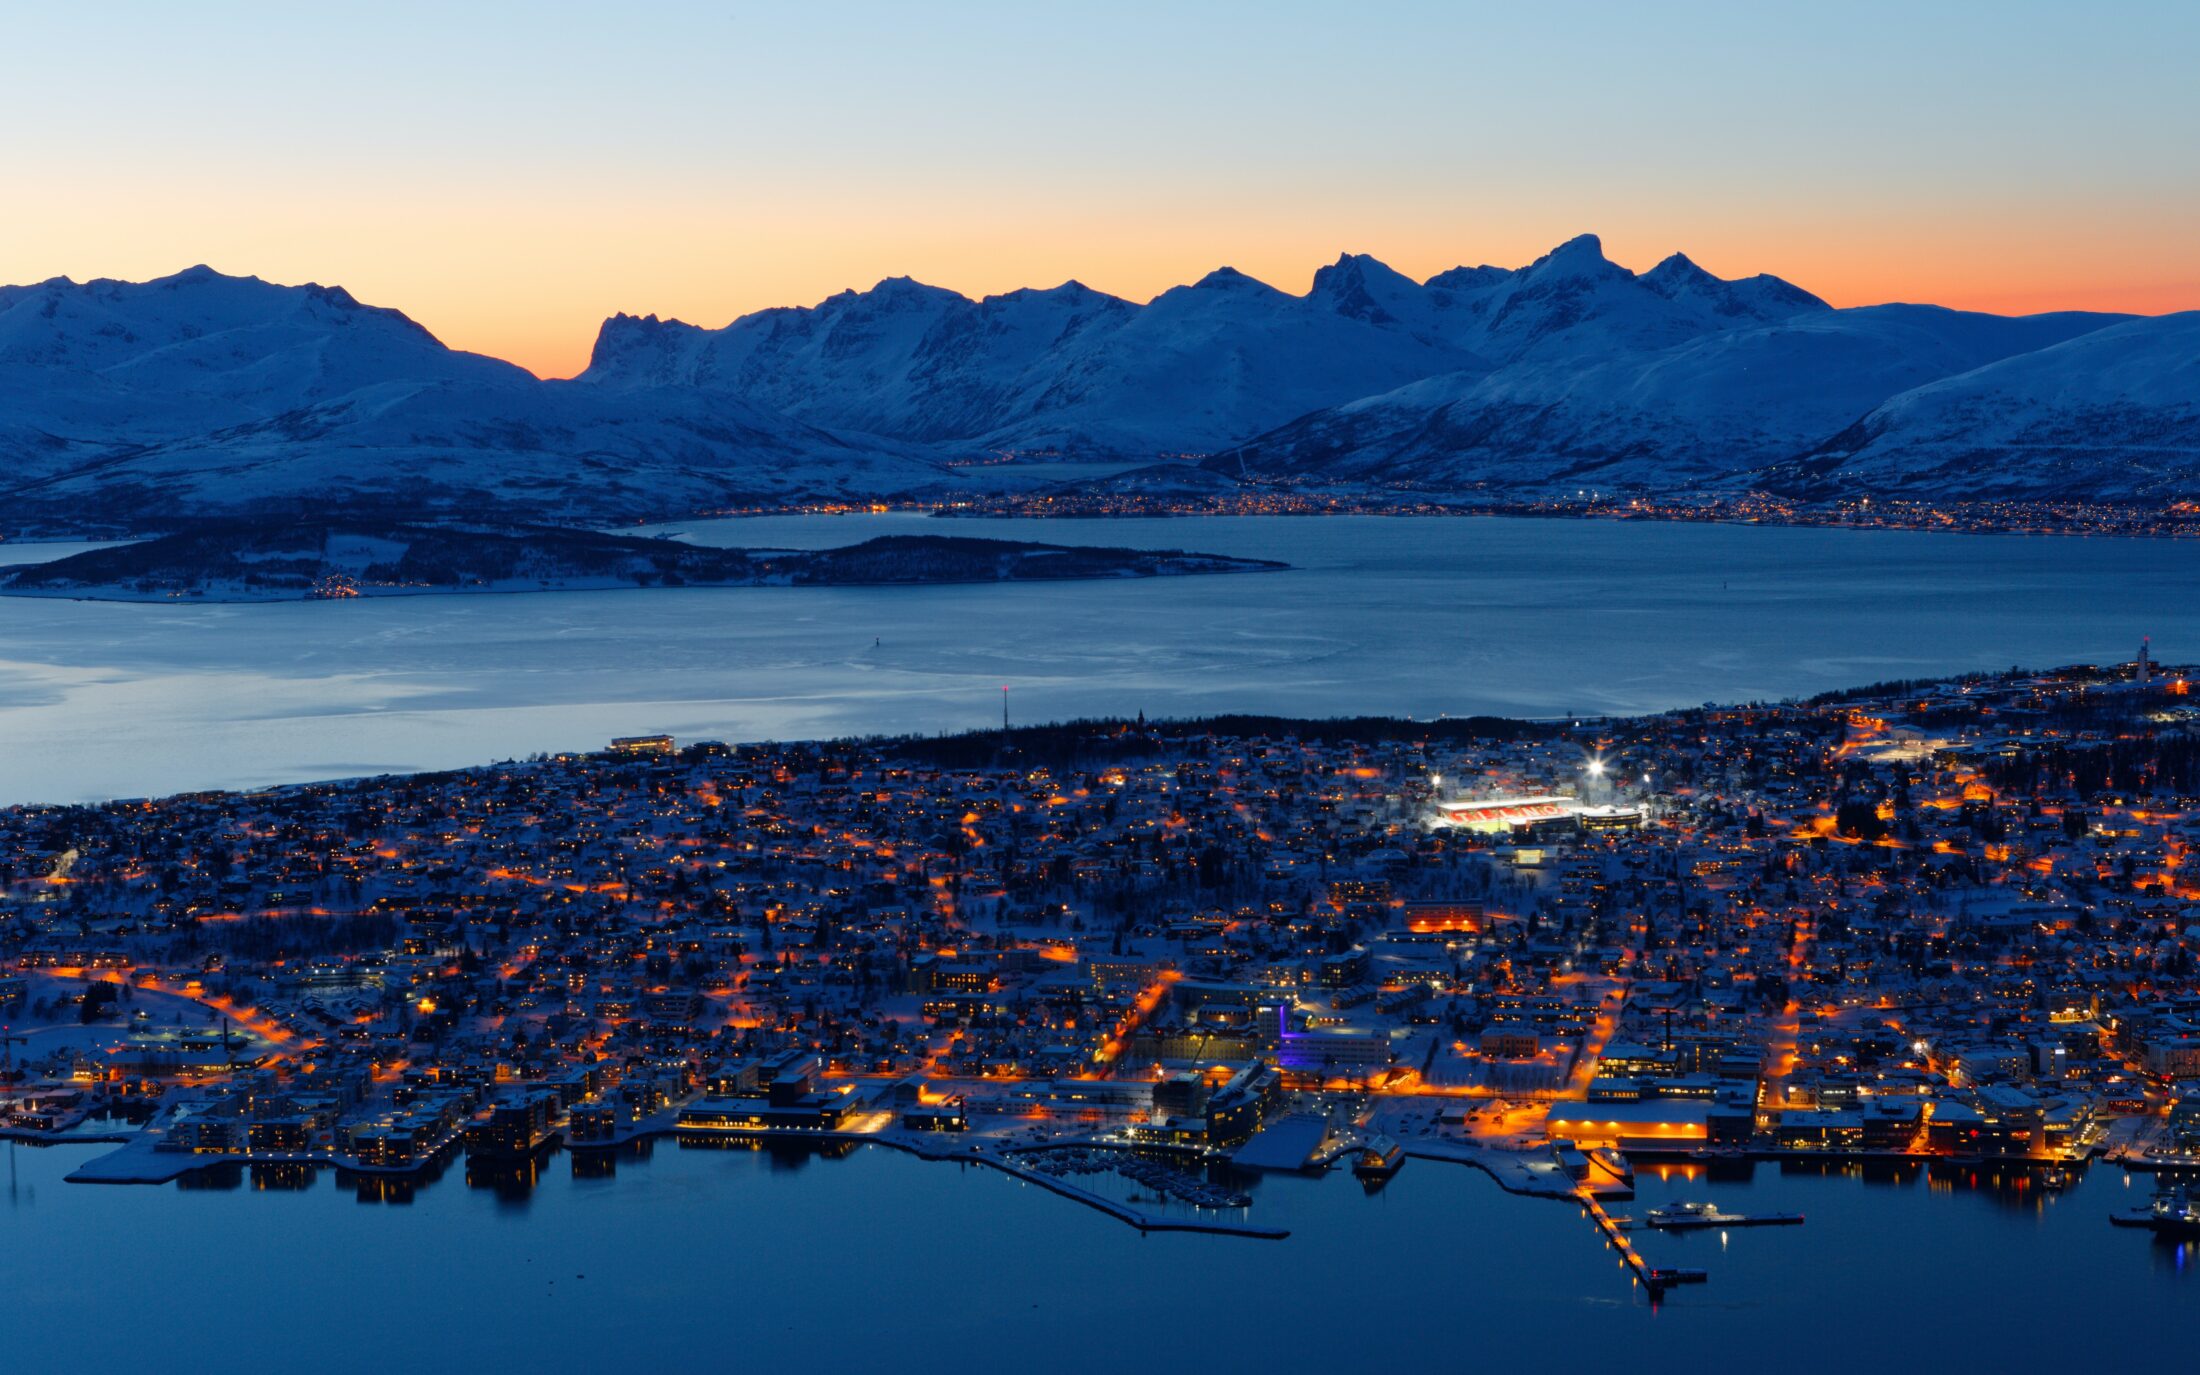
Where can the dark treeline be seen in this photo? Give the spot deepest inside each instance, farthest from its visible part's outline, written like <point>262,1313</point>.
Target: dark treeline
<point>2144,765</point>
<point>1109,739</point>
<point>1893,687</point>
<point>264,939</point>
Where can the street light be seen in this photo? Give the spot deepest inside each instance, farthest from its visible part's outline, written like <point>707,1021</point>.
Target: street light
<point>1596,766</point>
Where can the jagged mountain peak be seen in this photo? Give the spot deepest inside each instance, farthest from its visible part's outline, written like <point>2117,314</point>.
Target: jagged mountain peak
<point>909,286</point>
<point>1359,270</point>
<point>1365,288</point>
<point>1468,278</point>
<point>1070,293</point>
<point>1580,256</point>
<point>1763,296</point>
<point>890,294</point>
<point>1480,375</point>
<point>624,336</point>
<point>1226,279</point>
<point>1677,268</point>
<point>897,294</point>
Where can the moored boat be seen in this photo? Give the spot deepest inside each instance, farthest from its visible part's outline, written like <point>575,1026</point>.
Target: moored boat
<point>2173,1213</point>
<point>1379,1158</point>
<point>1614,1164</point>
<point>1686,1216</point>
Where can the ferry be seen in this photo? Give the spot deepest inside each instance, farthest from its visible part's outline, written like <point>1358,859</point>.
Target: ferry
<point>1685,1215</point>
<point>2173,1213</point>
<point>1379,1158</point>
<point>1614,1164</point>
<point>1688,1216</point>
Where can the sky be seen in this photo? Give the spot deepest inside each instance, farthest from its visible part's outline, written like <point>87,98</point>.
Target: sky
<point>511,174</point>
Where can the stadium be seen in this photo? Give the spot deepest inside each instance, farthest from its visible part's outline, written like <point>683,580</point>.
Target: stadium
<point>1505,815</point>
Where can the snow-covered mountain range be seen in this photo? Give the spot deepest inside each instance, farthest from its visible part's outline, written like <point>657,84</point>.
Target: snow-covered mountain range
<point>135,404</point>
<point>1197,369</point>
<point>198,394</point>
<point>2113,412</point>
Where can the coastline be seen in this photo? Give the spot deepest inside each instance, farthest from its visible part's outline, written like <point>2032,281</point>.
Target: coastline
<point>140,1161</point>
<point>2042,518</point>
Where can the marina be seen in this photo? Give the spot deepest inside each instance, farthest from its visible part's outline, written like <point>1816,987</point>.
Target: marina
<point>1165,1180</point>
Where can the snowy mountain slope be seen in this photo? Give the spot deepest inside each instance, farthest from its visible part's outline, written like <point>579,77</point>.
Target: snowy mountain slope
<point>2113,414</point>
<point>108,361</point>
<point>533,449</point>
<point>903,358</point>
<point>200,328</point>
<point>1197,368</point>
<point>1574,302</point>
<point>126,405</point>
<point>201,393</point>
<point>1063,368</point>
<point>1714,405</point>
<point>1202,364</point>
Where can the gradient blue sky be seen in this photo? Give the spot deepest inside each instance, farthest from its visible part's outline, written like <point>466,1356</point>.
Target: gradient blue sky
<point>509,174</point>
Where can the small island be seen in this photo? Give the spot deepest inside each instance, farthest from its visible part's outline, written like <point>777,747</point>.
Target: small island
<point>332,559</point>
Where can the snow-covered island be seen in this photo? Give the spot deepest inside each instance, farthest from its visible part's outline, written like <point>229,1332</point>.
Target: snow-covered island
<point>334,559</point>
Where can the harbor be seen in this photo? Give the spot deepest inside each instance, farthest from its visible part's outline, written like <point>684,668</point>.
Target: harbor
<point>2173,1214</point>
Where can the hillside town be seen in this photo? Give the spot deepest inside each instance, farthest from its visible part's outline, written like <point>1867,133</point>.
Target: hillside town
<point>1934,920</point>
<point>1180,489</point>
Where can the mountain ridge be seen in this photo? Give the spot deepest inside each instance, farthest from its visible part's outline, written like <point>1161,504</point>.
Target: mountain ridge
<point>125,404</point>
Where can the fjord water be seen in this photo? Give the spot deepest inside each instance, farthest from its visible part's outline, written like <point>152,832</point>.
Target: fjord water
<point>1393,615</point>
<point>717,1259</point>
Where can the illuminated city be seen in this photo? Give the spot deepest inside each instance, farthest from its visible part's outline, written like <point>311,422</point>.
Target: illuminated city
<point>1062,689</point>
<point>1939,922</point>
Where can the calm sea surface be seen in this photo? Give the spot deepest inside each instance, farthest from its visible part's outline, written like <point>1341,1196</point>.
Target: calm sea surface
<point>701,1259</point>
<point>719,1260</point>
<point>1385,615</point>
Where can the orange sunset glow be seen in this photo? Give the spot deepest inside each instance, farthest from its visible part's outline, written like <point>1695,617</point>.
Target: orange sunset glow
<point>511,189</point>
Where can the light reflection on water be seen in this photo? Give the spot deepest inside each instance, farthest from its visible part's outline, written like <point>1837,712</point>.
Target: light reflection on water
<point>1393,616</point>
<point>671,1253</point>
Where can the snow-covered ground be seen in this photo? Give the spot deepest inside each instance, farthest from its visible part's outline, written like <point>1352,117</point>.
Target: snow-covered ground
<point>1380,615</point>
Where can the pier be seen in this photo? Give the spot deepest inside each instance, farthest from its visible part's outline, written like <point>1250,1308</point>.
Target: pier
<point>1653,1279</point>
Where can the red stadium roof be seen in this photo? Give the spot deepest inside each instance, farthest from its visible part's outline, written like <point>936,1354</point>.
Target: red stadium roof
<point>1512,811</point>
